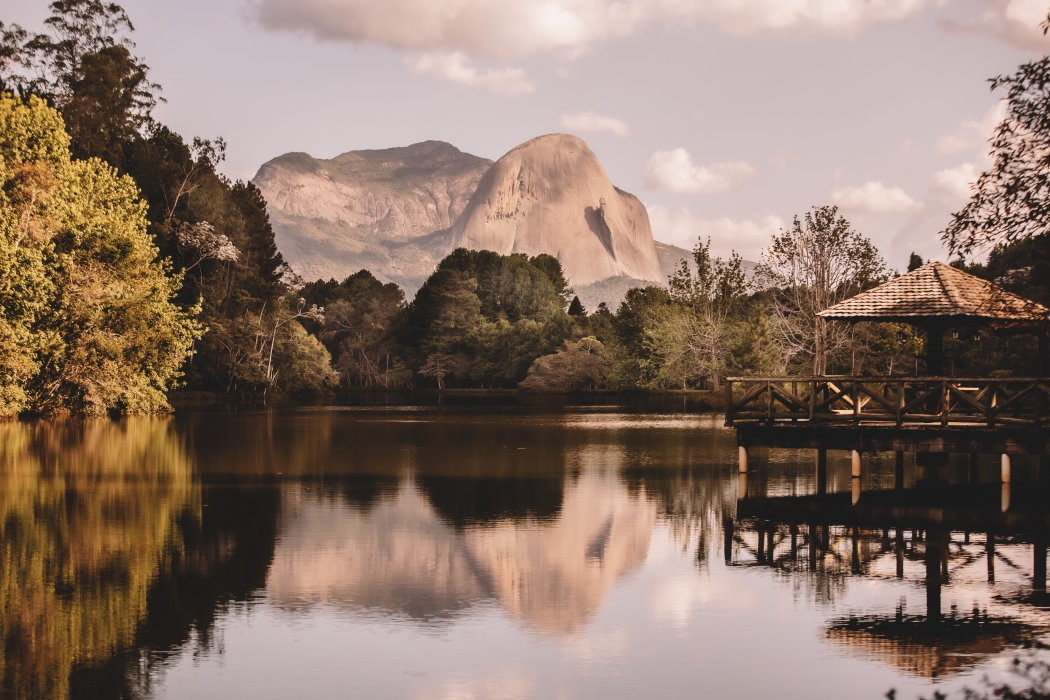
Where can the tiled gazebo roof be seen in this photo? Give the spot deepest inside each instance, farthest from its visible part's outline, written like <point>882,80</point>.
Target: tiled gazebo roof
<point>937,291</point>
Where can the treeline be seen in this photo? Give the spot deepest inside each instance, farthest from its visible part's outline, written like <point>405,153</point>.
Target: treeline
<point>129,266</point>
<point>114,210</point>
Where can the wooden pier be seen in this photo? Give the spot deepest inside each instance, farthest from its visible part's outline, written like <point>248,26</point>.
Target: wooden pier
<point>900,414</point>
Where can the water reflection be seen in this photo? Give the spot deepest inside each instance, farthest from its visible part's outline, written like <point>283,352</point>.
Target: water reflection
<point>550,554</point>
<point>939,534</point>
<point>87,511</point>
<point>546,554</point>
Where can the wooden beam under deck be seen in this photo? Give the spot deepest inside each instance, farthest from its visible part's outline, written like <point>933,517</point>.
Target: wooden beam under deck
<point>883,438</point>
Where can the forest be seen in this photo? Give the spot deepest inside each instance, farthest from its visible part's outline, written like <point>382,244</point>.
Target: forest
<point>131,268</point>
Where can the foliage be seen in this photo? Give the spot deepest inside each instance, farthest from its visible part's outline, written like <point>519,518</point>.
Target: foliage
<point>1011,201</point>
<point>576,366</point>
<point>89,324</point>
<point>83,65</point>
<point>576,307</point>
<point>511,287</point>
<point>814,265</point>
<point>362,318</point>
<point>695,340</point>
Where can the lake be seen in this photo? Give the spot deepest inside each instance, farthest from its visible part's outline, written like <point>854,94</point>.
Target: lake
<point>480,549</point>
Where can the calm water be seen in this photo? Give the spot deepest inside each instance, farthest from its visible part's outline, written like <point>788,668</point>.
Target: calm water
<point>488,552</point>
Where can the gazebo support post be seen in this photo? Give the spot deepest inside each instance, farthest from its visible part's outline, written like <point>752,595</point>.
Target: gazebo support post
<point>1044,353</point>
<point>934,350</point>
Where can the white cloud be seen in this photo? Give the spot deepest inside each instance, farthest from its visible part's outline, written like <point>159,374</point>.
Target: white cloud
<point>1013,21</point>
<point>496,29</point>
<point>873,198</point>
<point>948,192</point>
<point>589,121</point>
<point>973,135</point>
<point>954,183</point>
<point>454,67</point>
<point>682,228</point>
<point>673,171</point>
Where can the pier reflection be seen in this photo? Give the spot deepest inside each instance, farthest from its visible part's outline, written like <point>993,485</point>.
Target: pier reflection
<point>934,534</point>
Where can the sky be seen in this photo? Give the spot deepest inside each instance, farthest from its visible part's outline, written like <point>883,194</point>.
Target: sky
<point>727,118</point>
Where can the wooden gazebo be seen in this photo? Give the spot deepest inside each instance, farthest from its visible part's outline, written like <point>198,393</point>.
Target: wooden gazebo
<point>937,297</point>
<point>929,413</point>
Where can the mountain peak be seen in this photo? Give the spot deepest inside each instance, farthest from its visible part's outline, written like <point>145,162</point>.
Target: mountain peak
<point>552,195</point>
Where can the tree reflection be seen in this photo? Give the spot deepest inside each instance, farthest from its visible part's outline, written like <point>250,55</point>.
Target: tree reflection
<point>87,510</point>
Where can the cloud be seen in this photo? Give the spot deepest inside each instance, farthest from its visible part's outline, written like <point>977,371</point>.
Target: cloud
<point>589,121</point>
<point>948,192</point>
<point>973,135</point>
<point>682,228</point>
<point>512,30</point>
<point>454,67</point>
<point>1013,21</point>
<point>873,198</point>
<point>673,171</point>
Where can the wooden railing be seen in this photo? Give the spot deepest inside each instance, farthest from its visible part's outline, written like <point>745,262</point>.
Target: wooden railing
<point>842,400</point>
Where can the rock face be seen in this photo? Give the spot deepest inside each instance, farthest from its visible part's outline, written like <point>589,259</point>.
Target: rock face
<point>387,210</point>
<point>551,195</point>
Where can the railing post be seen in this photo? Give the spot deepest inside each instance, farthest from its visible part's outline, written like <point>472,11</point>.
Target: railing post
<point>900,403</point>
<point>991,404</point>
<point>856,401</point>
<point>812,400</point>
<point>729,402</point>
<point>769,402</point>
<point>944,404</point>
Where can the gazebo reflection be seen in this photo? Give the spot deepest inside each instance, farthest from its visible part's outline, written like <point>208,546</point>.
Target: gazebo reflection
<point>927,534</point>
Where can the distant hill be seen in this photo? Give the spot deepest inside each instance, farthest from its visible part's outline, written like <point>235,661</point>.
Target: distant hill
<point>383,210</point>
<point>612,290</point>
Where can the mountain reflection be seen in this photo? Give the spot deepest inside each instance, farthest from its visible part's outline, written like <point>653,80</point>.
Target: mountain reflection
<point>545,554</point>
<point>123,545</point>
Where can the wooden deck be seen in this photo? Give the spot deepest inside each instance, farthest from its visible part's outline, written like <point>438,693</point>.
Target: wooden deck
<point>907,414</point>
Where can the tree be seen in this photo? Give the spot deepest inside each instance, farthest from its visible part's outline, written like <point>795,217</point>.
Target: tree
<point>694,340</point>
<point>82,278</point>
<point>362,317</point>
<point>33,149</point>
<point>576,307</point>
<point>1011,201</point>
<point>576,366</point>
<point>551,267</point>
<point>814,265</point>
<point>915,261</point>
<point>84,66</point>
<point>638,312</point>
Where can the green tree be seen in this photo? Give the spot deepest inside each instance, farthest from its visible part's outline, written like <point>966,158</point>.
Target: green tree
<point>693,340</point>
<point>577,366</point>
<point>812,266</point>
<point>576,307</point>
<point>33,151</point>
<point>446,319</point>
<point>362,318</point>
<point>1011,201</point>
<point>108,336</point>
<point>641,309</point>
<point>84,66</point>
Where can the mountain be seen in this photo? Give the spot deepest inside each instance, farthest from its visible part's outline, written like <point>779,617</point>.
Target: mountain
<point>385,210</point>
<point>552,195</point>
<point>398,211</point>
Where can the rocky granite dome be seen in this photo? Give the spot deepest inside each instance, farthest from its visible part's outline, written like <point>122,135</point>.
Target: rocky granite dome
<point>369,209</point>
<point>397,212</point>
<point>552,195</point>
